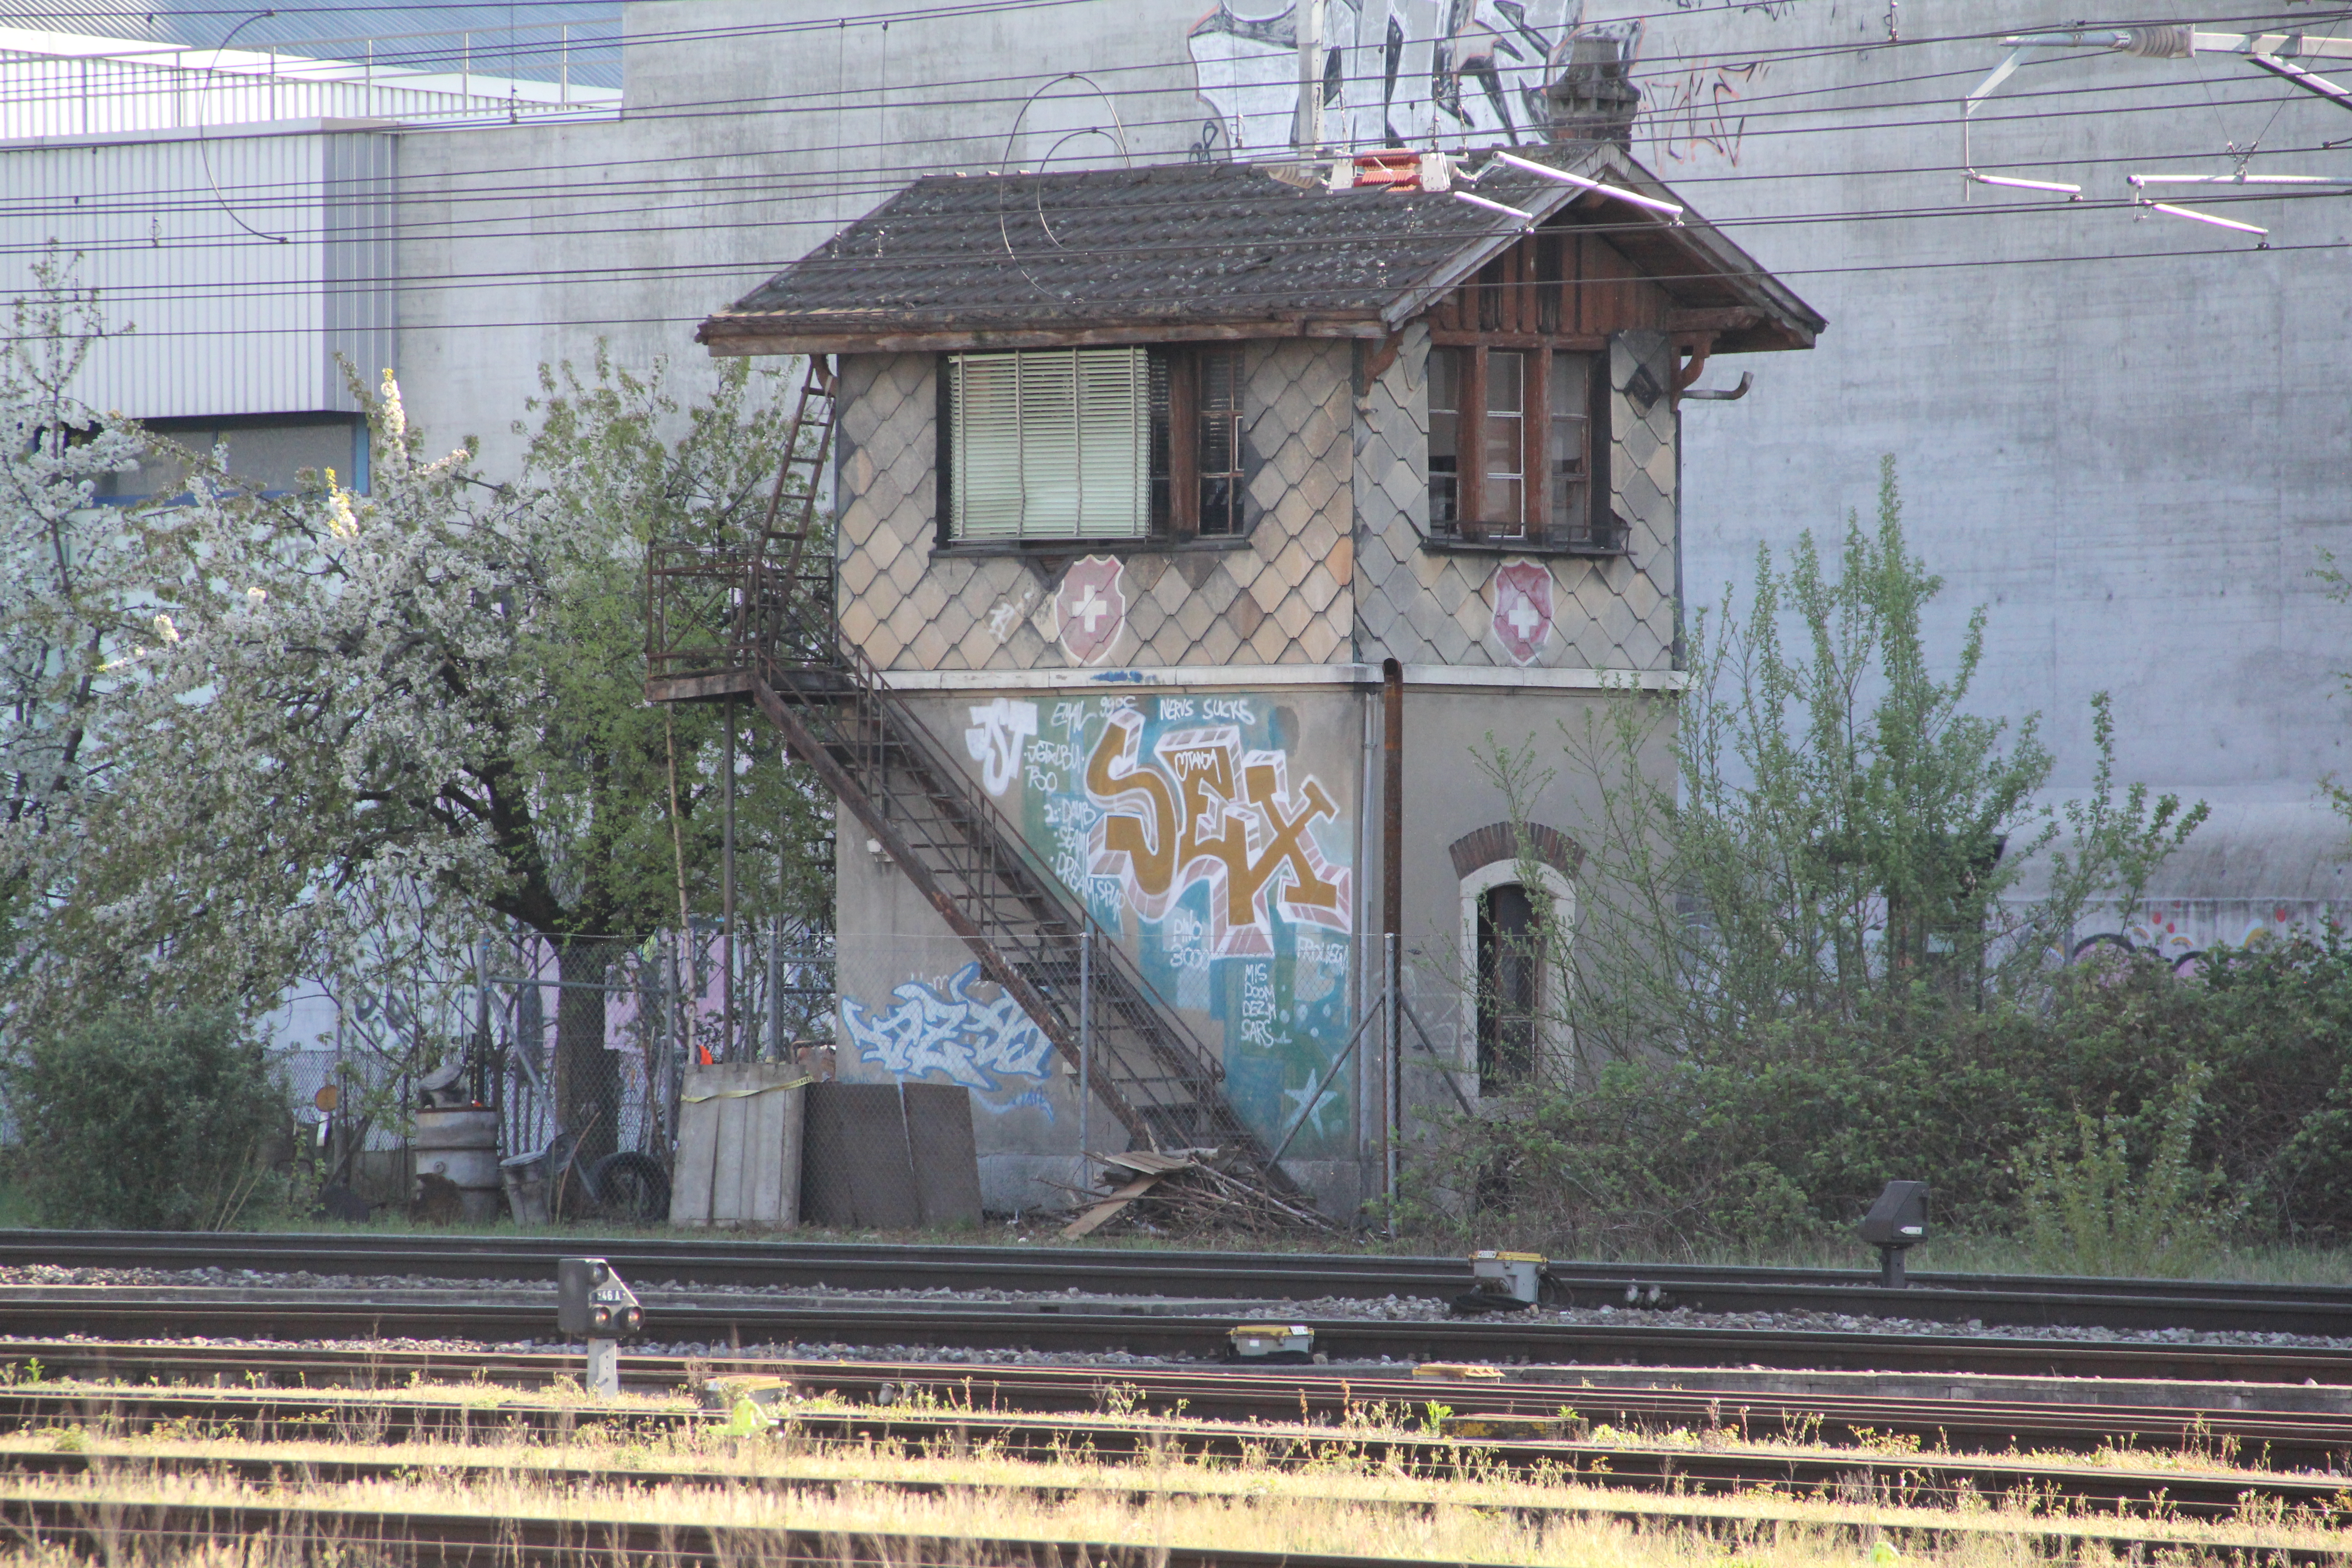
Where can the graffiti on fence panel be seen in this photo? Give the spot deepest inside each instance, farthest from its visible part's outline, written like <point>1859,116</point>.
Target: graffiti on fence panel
<point>958,1027</point>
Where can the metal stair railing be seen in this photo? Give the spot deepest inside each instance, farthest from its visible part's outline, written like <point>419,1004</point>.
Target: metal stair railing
<point>975,867</point>
<point>759,619</point>
<point>763,624</point>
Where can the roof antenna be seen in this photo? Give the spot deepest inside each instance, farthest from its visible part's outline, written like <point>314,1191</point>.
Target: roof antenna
<point>1126,157</point>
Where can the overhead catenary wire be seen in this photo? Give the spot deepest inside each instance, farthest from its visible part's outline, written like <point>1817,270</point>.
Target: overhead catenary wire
<point>883,180</point>
<point>775,103</point>
<point>1751,107</point>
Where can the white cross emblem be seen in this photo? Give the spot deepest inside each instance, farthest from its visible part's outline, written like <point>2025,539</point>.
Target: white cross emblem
<point>1091,608</point>
<point>1523,617</point>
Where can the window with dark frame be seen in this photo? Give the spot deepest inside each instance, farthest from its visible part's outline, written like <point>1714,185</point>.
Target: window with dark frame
<point>1195,450</point>
<point>1219,448</point>
<point>1527,414</point>
<point>1510,987</point>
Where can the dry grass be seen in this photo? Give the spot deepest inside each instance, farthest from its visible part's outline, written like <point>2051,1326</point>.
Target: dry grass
<point>1338,1505</point>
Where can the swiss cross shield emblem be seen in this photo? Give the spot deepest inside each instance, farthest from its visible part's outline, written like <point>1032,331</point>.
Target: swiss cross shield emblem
<point>1091,608</point>
<point>1522,609</point>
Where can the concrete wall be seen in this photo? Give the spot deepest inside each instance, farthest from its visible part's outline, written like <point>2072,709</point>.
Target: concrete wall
<point>2121,436</point>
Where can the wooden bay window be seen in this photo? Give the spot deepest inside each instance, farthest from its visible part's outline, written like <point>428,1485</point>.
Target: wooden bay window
<point>1515,453</point>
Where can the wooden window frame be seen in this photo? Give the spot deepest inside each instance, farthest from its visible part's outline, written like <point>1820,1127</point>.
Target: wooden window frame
<point>1182,477</point>
<point>1184,415</point>
<point>1534,531</point>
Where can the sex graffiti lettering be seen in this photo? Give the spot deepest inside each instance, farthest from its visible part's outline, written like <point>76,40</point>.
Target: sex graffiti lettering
<point>1201,809</point>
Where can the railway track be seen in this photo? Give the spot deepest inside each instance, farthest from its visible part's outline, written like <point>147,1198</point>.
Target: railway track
<point>1889,1472</point>
<point>559,1540</point>
<point>1997,1301</point>
<point>96,1467</point>
<point>316,1473</point>
<point>1855,1480</point>
<point>1099,1326</point>
<point>141,1384</point>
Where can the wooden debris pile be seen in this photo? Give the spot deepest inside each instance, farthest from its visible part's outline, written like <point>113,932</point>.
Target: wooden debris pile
<point>1187,1190</point>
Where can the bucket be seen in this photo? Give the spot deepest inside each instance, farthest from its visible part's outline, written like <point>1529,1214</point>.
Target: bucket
<point>461,1146</point>
<point>525,1179</point>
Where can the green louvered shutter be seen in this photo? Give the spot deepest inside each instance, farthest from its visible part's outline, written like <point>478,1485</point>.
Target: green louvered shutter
<point>987,447</point>
<point>1051,443</point>
<point>1114,428</point>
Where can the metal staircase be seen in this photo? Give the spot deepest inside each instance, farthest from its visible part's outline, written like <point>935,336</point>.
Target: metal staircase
<point>757,620</point>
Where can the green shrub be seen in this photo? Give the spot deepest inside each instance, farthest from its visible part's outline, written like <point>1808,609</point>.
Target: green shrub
<point>2127,1119</point>
<point>143,1123</point>
<point>2090,1211</point>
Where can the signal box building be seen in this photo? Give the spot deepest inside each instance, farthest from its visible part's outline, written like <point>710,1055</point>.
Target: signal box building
<point>1140,479</point>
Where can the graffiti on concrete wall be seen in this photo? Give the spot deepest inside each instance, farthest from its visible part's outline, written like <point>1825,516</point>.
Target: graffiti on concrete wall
<point>1451,73</point>
<point>1219,856</point>
<point>2184,932</point>
<point>1701,111</point>
<point>1395,72</point>
<point>955,1029</point>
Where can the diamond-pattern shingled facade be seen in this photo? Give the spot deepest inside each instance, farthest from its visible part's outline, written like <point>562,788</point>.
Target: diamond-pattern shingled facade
<point>1282,596</point>
<point>1421,606</point>
<point>1335,567</point>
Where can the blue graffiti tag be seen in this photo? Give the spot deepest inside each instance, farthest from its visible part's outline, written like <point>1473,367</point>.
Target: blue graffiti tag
<point>942,1027</point>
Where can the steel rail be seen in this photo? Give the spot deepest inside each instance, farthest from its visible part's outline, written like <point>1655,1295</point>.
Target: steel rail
<point>470,1539</point>
<point>741,1317</point>
<point>458,1539</point>
<point>1883,1477</point>
<point>2309,1440</point>
<point>2001,1300</point>
<point>1863,1480</point>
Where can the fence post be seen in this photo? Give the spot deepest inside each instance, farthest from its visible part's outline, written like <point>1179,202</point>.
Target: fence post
<point>727,1049</point>
<point>1390,1094</point>
<point>1086,1044</point>
<point>481,1074</point>
<point>776,988</point>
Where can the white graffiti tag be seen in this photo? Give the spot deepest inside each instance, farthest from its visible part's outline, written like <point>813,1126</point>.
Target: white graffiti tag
<point>994,739</point>
<point>944,1026</point>
<point>1395,73</point>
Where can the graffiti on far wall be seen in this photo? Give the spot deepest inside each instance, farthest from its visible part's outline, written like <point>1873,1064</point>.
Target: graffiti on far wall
<point>956,1028</point>
<point>1451,73</point>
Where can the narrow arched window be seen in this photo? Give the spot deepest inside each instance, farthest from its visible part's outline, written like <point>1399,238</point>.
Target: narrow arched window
<point>1510,987</point>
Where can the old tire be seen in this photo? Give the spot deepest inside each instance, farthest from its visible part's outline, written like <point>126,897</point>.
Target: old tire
<point>631,1185</point>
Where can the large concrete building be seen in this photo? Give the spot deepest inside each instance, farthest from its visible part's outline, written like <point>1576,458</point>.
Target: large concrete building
<point>2116,429</point>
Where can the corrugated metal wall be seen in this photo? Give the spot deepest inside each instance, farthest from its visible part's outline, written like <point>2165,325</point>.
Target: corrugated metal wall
<point>102,88</point>
<point>245,264</point>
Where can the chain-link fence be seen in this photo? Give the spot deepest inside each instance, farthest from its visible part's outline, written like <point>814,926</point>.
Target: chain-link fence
<point>582,1048</point>
<point>589,1040</point>
<point>577,1044</point>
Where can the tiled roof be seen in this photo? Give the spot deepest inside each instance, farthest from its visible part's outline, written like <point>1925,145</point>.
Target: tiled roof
<point>1197,247</point>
